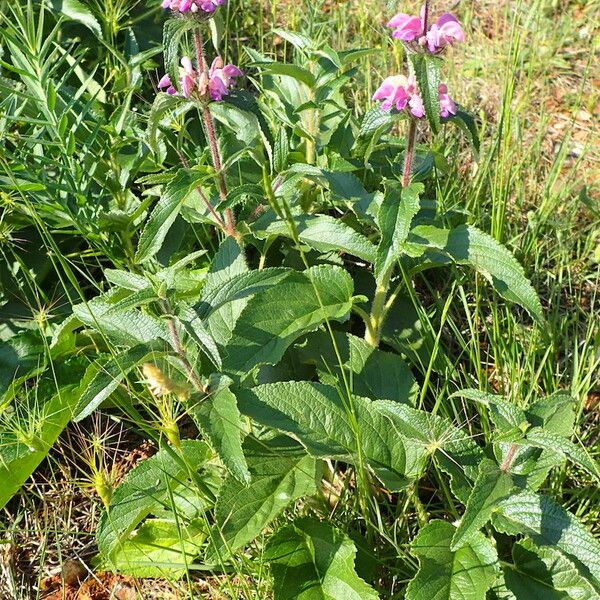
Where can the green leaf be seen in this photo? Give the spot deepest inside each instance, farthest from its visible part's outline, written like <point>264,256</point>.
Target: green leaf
<point>219,419</point>
<point>491,486</point>
<point>17,461</point>
<point>128,326</point>
<point>452,448</point>
<point>395,215</point>
<point>165,212</point>
<point>505,415</point>
<point>555,413</point>
<point>321,232</point>
<point>161,106</point>
<point>553,442</point>
<point>427,72</point>
<point>287,70</point>
<point>549,524</point>
<point>326,424</point>
<point>465,121</point>
<point>146,489</point>
<point>244,123</point>
<point>78,11</point>
<point>281,473</point>
<point>312,560</point>
<point>241,286</point>
<point>160,548</point>
<point>545,574</point>
<point>108,378</point>
<point>273,319</point>
<point>467,245</point>
<point>466,574</point>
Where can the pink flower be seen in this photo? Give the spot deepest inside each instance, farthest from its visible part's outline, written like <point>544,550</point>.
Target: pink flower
<point>447,105</point>
<point>406,28</point>
<point>400,92</point>
<point>193,6</point>
<point>187,79</point>
<point>221,78</point>
<point>444,32</point>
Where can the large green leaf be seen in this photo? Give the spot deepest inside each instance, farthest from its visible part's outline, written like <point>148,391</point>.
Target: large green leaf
<point>370,372</point>
<point>126,326</point>
<point>160,548</point>
<point>452,448</point>
<point>281,473</point>
<point>491,486</point>
<point>466,574</point>
<point>549,524</point>
<point>242,285</point>
<point>273,319</point>
<point>467,245</point>
<point>219,419</point>
<point>311,560</point>
<point>395,215</point>
<point>321,232</point>
<point>145,490</point>
<point>165,212</point>
<point>545,574</point>
<point>332,426</point>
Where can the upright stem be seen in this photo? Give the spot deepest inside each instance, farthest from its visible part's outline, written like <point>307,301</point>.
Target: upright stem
<point>410,152</point>
<point>378,308</point>
<point>211,136</point>
<point>425,16</point>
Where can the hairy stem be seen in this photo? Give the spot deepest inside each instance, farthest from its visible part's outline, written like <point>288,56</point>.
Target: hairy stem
<point>410,151</point>
<point>425,16</point>
<point>211,136</point>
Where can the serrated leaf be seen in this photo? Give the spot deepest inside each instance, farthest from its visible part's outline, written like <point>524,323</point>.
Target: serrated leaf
<point>129,326</point>
<point>321,232</point>
<point>491,486</point>
<point>219,419</point>
<point>555,413</point>
<point>540,438</point>
<point>395,215</point>
<point>144,490</point>
<point>241,286</point>
<point>164,213</point>
<point>465,121</point>
<point>108,378</point>
<point>287,70</point>
<point>163,104</point>
<point>466,574</point>
<point>452,448</point>
<point>273,319</point>
<point>325,423</point>
<point>427,73</point>
<point>244,123</point>
<point>281,473</point>
<point>467,245</point>
<point>505,415</point>
<point>312,560</point>
<point>545,574</point>
<point>549,524</point>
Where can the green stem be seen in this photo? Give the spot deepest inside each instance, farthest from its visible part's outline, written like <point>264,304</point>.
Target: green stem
<point>380,307</point>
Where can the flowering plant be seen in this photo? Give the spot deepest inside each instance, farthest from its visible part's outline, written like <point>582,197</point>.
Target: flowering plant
<point>262,323</point>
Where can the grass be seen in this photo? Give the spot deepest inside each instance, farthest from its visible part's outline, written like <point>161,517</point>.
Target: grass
<point>528,74</point>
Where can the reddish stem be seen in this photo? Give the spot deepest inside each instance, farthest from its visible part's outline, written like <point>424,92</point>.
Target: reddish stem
<point>410,152</point>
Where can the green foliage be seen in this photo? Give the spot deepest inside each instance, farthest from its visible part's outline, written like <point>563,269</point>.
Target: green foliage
<point>248,285</point>
<point>313,560</point>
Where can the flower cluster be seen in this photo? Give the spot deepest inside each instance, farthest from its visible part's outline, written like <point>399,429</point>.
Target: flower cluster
<point>214,85</point>
<point>193,6</point>
<point>401,93</point>
<point>444,32</point>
